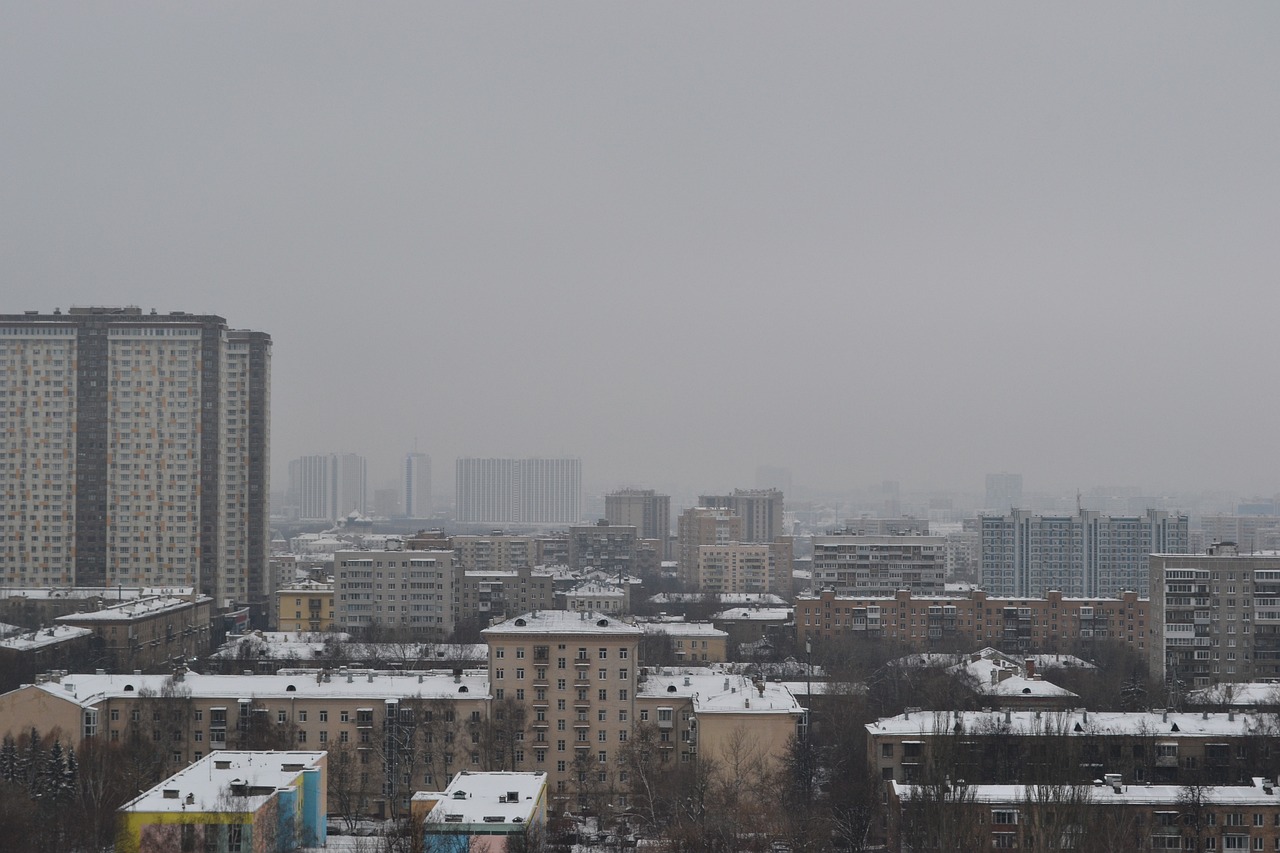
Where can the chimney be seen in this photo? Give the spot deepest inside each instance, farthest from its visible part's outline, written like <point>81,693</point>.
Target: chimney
<point>1030,664</point>
<point>1008,715</point>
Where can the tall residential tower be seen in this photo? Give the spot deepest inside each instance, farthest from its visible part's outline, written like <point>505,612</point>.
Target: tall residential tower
<point>134,450</point>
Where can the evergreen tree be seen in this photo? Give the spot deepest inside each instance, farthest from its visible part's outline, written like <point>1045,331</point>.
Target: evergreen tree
<point>9,759</point>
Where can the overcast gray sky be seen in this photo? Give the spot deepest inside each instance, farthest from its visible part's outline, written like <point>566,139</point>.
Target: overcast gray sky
<point>866,241</point>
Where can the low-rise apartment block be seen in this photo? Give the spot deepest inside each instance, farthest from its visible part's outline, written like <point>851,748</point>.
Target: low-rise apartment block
<point>962,622</point>
<point>267,802</point>
<point>152,632</point>
<point>305,606</point>
<point>1074,746</point>
<point>880,565</point>
<point>1111,814</point>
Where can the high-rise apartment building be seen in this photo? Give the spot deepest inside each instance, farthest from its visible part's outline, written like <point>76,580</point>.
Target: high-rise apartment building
<point>1086,554</point>
<point>702,525</point>
<point>135,451</point>
<point>611,547</point>
<point>644,509</point>
<point>328,486</point>
<point>417,485</point>
<point>1216,618</point>
<point>1004,492</point>
<point>760,509</point>
<point>519,491</point>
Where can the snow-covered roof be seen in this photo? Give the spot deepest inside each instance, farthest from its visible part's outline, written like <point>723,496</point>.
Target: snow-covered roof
<point>212,783</point>
<point>729,598</point>
<point>684,629</point>
<point>130,610</point>
<point>44,637</point>
<point>1171,796</point>
<point>563,622</point>
<point>485,798</point>
<point>1071,722</point>
<point>89,689</point>
<point>763,614</point>
<point>596,588</point>
<point>1246,694</point>
<point>994,676</point>
<point>713,691</point>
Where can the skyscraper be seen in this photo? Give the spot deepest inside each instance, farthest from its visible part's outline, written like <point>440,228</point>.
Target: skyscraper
<point>134,450</point>
<point>760,509</point>
<point>643,509</point>
<point>417,485</point>
<point>1004,492</point>
<point>519,491</point>
<point>328,486</point>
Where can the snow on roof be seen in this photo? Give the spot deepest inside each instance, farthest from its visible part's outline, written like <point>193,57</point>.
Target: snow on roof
<point>88,689</point>
<point>130,610</point>
<point>684,629</point>
<point>1244,694</point>
<point>485,798</point>
<point>44,637</point>
<point>115,593</point>
<point>800,689</point>
<point>764,614</point>
<point>1075,721</point>
<point>596,588</point>
<point>563,622</point>
<point>996,677</point>
<point>715,691</point>
<point>212,783</point>
<point>1173,796</point>
<point>730,598</point>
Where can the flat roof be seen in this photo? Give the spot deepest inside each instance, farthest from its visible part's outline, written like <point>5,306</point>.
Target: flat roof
<point>89,689</point>
<point>563,622</point>
<point>713,691</point>
<point>131,610</point>
<point>1072,722</point>
<point>44,637</point>
<point>699,629</point>
<point>208,784</point>
<point>485,798</point>
<point>1173,796</point>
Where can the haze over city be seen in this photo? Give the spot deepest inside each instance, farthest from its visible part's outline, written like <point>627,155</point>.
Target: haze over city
<point>681,241</point>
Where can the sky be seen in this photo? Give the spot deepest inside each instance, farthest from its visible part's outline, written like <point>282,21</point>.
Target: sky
<point>908,241</point>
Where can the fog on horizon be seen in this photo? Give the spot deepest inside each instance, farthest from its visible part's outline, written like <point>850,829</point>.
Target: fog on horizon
<point>916,243</point>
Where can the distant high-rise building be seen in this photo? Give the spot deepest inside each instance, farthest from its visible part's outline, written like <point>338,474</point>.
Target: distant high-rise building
<point>701,525</point>
<point>138,449</point>
<point>1004,492</point>
<point>760,509</point>
<point>880,565</point>
<point>417,485</point>
<point>519,491</point>
<point>328,486</point>
<point>643,509</point>
<point>1086,554</point>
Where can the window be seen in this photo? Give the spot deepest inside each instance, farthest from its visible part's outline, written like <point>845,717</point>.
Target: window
<point>1004,841</point>
<point>604,695</point>
<point>1004,817</point>
<point>302,716</point>
<point>324,716</point>
<point>344,716</point>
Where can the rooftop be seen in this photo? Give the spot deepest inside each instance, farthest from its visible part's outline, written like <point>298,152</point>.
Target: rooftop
<point>131,610</point>
<point>1071,722</point>
<point>763,614</point>
<point>485,798</point>
<point>684,629</point>
<point>44,637</point>
<point>1173,796</point>
<point>89,689</point>
<point>563,622</point>
<point>210,784</point>
<point>714,691</point>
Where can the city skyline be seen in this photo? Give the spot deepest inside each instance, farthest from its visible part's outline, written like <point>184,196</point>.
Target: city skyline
<point>1043,235</point>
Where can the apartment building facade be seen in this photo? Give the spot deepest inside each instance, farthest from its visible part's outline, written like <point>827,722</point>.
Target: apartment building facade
<point>578,673</point>
<point>610,547</point>
<point>645,510</point>
<point>410,591</point>
<point>761,511</point>
<point>137,452</point>
<point>1085,554</point>
<point>702,525</point>
<point>1054,622</point>
<point>880,565</point>
<point>519,491</point>
<point>1215,617</point>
